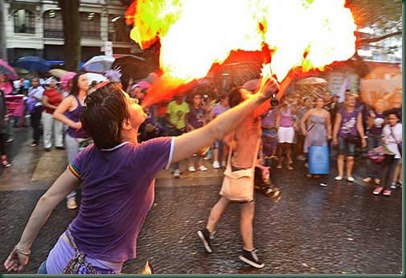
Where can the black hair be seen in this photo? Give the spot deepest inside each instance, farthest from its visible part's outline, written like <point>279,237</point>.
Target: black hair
<point>104,112</point>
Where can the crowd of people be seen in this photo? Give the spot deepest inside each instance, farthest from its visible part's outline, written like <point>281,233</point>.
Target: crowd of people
<point>288,130</point>
<point>183,131</point>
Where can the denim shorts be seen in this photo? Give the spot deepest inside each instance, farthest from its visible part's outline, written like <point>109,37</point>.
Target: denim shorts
<point>346,148</point>
<point>43,268</point>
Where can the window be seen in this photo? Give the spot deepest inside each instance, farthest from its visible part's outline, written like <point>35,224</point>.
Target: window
<point>53,26</point>
<point>118,31</point>
<point>90,25</point>
<point>24,22</point>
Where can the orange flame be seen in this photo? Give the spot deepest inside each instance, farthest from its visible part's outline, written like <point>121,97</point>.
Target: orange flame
<point>195,34</point>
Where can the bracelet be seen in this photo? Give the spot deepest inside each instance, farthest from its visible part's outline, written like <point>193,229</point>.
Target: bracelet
<point>21,251</point>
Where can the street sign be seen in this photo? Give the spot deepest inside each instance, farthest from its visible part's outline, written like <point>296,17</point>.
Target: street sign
<point>108,48</point>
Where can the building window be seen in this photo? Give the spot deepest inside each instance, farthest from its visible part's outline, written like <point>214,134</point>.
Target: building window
<point>24,22</point>
<point>118,31</point>
<point>53,26</point>
<point>90,25</point>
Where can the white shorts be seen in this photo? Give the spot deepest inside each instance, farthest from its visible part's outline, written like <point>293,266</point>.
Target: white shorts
<point>286,134</point>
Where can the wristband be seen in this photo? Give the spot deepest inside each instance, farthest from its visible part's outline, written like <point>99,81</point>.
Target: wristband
<point>22,252</point>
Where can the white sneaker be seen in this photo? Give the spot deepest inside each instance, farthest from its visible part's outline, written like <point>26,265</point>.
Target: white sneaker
<point>338,178</point>
<point>176,173</point>
<point>71,203</point>
<point>202,168</point>
<point>216,164</point>
<point>192,169</point>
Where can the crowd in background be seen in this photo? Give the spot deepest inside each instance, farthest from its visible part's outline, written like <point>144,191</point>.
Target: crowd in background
<point>288,130</point>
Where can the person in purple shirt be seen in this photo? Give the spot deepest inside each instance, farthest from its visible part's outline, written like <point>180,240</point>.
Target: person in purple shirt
<point>348,121</point>
<point>68,112</point>
<point>117,178</point>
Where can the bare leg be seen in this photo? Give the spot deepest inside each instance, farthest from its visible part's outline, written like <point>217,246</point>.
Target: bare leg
<point>350,165</point>
<point>247,217</point>
<point>340,165</point>
<point>216,213</point>
<point>280,148</point>
<point>216,154</point>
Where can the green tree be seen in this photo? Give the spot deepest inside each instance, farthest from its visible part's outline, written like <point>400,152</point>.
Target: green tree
<point>71,33</point>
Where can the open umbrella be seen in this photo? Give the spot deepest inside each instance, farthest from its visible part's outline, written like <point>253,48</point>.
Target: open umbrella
<point>131,67</point>
<point>95,77</point>
<point>32,63</point>
<point>8,70</point>
<point>99,63</point>
<point>102,63</point>
<point>58,72</point>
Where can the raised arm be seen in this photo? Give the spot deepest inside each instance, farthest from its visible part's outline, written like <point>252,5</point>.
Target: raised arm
<point>189,143</point>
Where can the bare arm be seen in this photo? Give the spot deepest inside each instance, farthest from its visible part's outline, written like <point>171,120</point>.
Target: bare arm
<point>336,128</point>
<point>328,125</point>
<point>61,109</point>
<point>303,122</point>
<point>46,103</point>
<point>360,129</point>
<point>46,204</point>
<point>189,143</point>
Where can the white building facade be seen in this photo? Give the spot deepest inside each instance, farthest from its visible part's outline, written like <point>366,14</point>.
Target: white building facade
<point>34,27</point>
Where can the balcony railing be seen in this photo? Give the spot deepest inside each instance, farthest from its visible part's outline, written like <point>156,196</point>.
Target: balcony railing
<point>53,34</point>
<point>24,30</point>
<point>94,34</point>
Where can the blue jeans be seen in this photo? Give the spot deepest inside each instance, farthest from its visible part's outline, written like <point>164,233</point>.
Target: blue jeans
<point>346,148</point>
<point>43,268</point>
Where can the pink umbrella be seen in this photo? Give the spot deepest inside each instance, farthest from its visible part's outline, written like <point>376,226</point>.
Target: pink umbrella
<point>66,79</point>
<point>8,70</point>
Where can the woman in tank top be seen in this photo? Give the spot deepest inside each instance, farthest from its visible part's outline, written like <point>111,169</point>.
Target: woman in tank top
<point>68,112</point>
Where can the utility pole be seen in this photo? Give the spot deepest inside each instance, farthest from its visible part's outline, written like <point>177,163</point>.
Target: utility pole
<point>3,47</point>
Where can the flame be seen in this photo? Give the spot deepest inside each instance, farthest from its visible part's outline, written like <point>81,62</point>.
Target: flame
<point>195,34</point>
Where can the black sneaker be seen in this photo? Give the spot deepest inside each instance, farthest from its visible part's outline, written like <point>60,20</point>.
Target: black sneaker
<point>251,258</point>
<point>204,236</point>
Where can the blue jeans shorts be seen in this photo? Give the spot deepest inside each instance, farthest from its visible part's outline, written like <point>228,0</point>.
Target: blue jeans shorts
<point>346,148</point>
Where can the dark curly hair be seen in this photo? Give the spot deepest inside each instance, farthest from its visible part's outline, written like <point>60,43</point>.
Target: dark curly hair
<point>103,114</point>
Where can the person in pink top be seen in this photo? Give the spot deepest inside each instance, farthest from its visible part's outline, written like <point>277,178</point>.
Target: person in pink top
<point>285,124</point>
<point>5,84</point>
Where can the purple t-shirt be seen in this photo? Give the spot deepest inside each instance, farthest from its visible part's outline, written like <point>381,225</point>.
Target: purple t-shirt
<point>117,193</point>
<point>348,123</point>
<point>219,109</point>
<point>196,117</point>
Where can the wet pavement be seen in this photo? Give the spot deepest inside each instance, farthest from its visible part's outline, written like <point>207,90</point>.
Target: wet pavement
<point>339,229</point>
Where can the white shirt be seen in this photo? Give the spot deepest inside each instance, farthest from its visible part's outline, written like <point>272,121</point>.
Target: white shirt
<point>393,136</point>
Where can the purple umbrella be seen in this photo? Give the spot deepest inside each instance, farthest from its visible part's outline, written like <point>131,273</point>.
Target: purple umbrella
<point>8,70</point>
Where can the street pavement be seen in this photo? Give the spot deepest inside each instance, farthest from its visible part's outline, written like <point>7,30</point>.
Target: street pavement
<point>339,229</point>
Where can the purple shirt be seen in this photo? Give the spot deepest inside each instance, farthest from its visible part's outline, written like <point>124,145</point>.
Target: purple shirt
<point>218,109</point>
<point>348,123</point>
<point>196,117</point>
<point>74,115</point>
<point>117,193</point>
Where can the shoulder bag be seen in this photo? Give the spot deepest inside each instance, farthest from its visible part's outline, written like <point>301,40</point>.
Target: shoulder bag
<point>239,185</point>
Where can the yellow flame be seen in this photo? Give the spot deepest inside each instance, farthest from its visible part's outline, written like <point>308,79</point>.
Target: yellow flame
<point>194,34</point>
